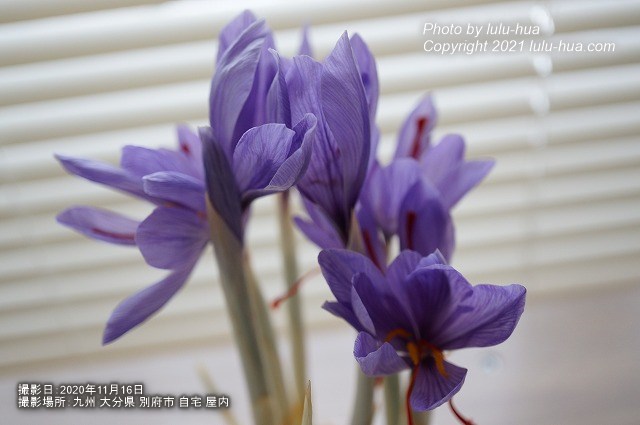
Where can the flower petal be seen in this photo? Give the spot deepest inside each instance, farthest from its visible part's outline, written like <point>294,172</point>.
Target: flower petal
<point>445,167</point>
<point>142,161</point>
<point>172,237</point>
<point>359,309</point>
<point>368,72</point>
<point>375,359</point>
<point>415,134</point>
<point>305,45</point>
<point>343,311</point>
<point>100,224</point>
<point>259,154</point>
<point>232,84</point>
<point>431,389</point>
<point>294,167</point>
<point>347,116</point>
<point>222,189</point>
<point>176,187</point>
<point>138,307</point>
<point>339,266</point>
<point>320,230</point>
<point>374,245</point>
<point>385,190</point>
<point>278,104</point>
<point>191,146</point>
<point>104,174</point>
<point>424,224</point>
<point>231,32</point>
<point>485,318</point>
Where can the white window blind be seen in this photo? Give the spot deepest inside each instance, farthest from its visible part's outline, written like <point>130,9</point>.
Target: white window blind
<point>84,78</point>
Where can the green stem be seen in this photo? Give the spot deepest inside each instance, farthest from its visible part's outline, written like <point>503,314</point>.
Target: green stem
<point>229,254</point>
<point>422,418</point>
<point>392,399</point>
<point>268,348</point>
<point>287,243</point>
<point>363,405</point>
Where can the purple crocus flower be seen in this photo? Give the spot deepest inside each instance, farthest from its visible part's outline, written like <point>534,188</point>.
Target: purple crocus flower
<point>334,92</point>
<point>412,197</point>
<point>251,148</point>
<point>172,237</point>
<point>409,317</point>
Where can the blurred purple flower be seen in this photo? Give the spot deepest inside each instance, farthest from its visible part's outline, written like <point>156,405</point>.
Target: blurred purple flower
<point>334,92</point>
<point>412,197</point>
<point>245,156</point>
<point>407,318</point>
<point>171,237</point>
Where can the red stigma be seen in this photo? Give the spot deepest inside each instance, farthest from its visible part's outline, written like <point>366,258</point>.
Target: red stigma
<point>185,148</point>
<point>458,416</point>
<point>293,290</point>
<point>411,222</point>
<point>368,244</point>
<point>421,125</point>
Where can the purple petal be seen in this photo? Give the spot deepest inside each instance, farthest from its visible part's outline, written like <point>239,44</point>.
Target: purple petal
<point>231,32</point>
<point>104,174</point>
<point>320,230</point>
<point>221,184</point>
<point>232,84</point>
<point>254,113</point>
<point>431,301</point>
<point>343,311</point>
<point>435,258</point>
<point>374,245</point>
<point>305,45</point>
<point>486,318</point>
<point>170,238</point>
<point>347,117</point>
<point>445,167</point>
<point>415,134</point>
<point>368,72</point>
<point>432,389</point>
<point>177,188</point>
<point>340,266</point>
<point>100,224</point>
<point>322,183</point>
<point>385,190</point>
<point>294,167</point>
<point>278,104</point>
<point>141,161</point>
<point>375,359</point>
<point>191,147</point>
<point>359,308</point>
<point>424,224</point>
<point>137,308</point>
<point>376,307</point>
<point>259,154</point>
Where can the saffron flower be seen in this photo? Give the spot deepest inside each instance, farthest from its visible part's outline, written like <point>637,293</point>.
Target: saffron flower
<point>409,317</point>
<point>172,237</point>
<point>246,157</point>
<point>412,197</point>
<point>334,92</point>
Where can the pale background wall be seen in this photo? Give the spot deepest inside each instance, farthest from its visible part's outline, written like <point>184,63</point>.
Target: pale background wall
<point>560,213</point>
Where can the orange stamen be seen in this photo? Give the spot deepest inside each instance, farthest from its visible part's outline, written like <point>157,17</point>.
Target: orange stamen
<point>437,356</point>
<point>398,332</point>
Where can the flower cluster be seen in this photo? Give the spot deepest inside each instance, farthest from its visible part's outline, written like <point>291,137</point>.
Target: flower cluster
<point>276,123</point>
